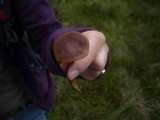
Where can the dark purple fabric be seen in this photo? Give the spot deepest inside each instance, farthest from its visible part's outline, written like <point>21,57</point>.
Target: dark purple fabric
<point>3,17</point>
<point>37,18</point>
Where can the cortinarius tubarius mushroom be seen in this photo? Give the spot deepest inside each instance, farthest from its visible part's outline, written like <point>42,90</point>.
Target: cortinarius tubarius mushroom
<point>69,47</point>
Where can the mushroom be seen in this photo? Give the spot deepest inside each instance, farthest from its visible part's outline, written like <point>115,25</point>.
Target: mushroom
<point>69,47</point>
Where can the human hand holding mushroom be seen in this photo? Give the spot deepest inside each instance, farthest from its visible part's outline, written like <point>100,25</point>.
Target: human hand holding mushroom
<point>88,64</point>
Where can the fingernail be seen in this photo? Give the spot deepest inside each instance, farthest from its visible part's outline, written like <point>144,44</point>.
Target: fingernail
<point>72,75</point>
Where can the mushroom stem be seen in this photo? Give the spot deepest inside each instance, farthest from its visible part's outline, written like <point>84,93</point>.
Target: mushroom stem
<point>75,86</point>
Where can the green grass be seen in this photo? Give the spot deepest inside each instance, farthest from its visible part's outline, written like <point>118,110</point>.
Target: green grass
<point>131,88</point>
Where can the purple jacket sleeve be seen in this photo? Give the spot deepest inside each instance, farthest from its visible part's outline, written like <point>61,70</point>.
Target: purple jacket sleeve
<point>38,19</point>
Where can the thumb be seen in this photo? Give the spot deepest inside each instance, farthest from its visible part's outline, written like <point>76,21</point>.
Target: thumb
<point>78,67</point>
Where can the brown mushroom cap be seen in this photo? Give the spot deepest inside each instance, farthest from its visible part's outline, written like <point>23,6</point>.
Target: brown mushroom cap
<point>70,46</point>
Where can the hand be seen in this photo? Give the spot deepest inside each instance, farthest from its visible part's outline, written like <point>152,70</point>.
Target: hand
<point>91,66</point>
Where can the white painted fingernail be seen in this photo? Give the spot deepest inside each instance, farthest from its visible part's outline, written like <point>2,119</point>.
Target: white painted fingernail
<point>73,74</point>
